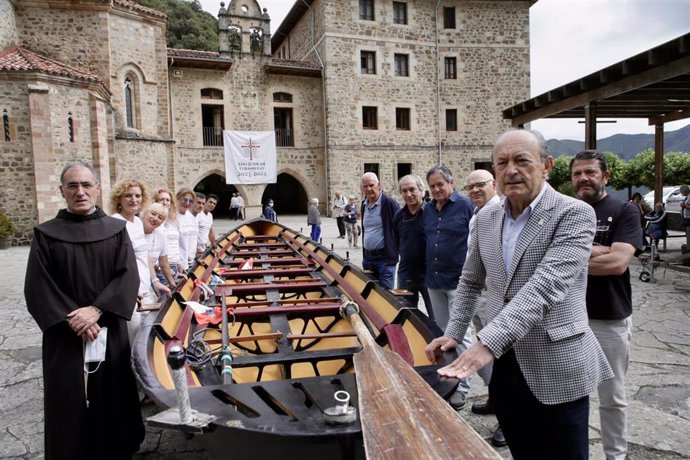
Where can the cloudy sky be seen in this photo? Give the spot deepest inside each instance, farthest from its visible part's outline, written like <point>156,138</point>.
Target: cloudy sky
<point>573,38</point>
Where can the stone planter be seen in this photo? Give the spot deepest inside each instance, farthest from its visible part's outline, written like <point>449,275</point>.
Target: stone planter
<point>5,242</point>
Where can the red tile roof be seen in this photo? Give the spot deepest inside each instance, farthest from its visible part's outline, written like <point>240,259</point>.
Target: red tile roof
<point>138,7</point>
<point>18,59</point>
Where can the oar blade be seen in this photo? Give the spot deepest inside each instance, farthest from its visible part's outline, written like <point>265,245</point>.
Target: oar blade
<point>402,417</point>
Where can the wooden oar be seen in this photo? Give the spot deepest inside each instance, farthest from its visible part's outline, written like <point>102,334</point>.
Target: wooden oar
<point>402,417</point>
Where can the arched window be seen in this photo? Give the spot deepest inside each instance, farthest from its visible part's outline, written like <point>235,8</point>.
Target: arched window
<point>129,102</point>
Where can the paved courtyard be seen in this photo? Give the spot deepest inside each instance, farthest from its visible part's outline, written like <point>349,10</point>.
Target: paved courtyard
<point>658,379</point>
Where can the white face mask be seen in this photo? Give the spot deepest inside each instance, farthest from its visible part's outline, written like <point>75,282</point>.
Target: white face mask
<point>94,352</point>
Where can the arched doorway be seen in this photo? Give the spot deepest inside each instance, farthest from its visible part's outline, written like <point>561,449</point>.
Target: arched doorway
<point>289,197</point>
<point>215,183</point>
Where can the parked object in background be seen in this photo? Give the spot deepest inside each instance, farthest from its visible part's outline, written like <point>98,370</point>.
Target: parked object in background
<point>670,196</point>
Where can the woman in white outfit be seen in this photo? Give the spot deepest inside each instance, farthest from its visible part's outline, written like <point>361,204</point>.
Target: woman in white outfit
<point>156,240</point>
<point>126,199</point>
<point>165,197</point>
<point>188,227</point>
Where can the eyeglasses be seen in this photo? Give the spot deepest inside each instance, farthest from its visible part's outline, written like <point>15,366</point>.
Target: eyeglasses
<point>186,200</point>
<point>74,186</point>
<point>477,185</point>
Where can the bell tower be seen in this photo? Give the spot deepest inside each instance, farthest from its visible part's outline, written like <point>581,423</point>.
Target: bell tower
<point>244,29</point>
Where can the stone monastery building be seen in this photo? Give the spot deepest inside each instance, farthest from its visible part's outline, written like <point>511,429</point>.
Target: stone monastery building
<point>348,86</point>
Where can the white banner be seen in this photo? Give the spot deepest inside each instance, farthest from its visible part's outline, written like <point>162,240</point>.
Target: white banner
<point>250,157</point>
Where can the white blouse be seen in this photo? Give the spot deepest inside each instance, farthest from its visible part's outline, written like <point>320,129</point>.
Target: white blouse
<point>135,230</point>
<point>188,227</point>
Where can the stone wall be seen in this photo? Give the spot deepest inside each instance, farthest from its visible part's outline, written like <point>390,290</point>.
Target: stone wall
<point>8,25</point>
<point>147,160</point>
<point>75,37</point>
<point>138,51</point>
<point>491,46</point>
<point>40,145</point>
<point>17,192</point>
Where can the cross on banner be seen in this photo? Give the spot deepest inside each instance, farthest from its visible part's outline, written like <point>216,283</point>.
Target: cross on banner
<point>250,157</point>
<point>249,147</point>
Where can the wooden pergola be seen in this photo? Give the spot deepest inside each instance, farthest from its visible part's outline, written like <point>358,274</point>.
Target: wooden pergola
<point>654,84</point>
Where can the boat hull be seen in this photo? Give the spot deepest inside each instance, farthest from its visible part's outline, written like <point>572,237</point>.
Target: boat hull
<point>291,349</point>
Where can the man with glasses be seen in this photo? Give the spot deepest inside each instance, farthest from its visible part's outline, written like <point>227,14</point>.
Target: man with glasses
<point>530,253</point>
<point>408,229</point>
<point>609,294</point>
<point>81,285</point>
<point>481,188</point>
<point>446,228</point>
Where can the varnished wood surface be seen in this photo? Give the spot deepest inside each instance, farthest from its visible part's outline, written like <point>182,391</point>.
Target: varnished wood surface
<point>401,416</point>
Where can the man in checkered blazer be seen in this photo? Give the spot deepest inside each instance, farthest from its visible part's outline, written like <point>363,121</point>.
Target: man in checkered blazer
<point>531,252</point>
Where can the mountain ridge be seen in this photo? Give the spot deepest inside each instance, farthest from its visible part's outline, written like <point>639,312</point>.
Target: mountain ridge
<point>626,146</point>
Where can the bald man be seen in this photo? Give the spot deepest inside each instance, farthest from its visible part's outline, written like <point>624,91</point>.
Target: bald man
<point>481,188</point>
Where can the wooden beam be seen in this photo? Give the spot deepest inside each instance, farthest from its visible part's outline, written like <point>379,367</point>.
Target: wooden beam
<point>621,86</point>
<point>658,162</point>
<point>591,126</point>
<point>679,115</point>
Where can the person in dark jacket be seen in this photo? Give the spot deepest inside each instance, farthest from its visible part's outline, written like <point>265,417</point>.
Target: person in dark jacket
<point>409,232</point>
<point>378,240</point>
<point>81,287</point>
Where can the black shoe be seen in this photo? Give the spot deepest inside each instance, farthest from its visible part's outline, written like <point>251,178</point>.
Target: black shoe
<point>483,408</point>
<point>498,439</point>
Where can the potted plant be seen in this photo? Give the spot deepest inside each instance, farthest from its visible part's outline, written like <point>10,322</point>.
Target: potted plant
<point>6,231</point>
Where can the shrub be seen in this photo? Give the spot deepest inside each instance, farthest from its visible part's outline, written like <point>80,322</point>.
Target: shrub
<point>6,226</point>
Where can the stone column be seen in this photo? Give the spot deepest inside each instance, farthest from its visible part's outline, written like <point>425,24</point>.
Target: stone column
<point>46,179</point>
<point>100,147</point>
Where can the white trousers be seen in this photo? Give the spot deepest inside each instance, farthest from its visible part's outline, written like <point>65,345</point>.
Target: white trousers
<point>614,337</point>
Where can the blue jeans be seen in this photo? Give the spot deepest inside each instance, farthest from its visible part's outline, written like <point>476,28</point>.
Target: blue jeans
<point>416,285</point>
<point>315,232</point>
<point>384,274</point>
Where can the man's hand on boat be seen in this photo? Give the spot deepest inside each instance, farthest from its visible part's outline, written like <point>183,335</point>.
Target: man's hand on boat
<point>83,321</point>
<point>469,362</point>
<point>161,289</point>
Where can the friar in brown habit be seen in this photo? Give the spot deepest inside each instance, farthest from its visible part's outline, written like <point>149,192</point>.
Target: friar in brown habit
<point>82,277</point>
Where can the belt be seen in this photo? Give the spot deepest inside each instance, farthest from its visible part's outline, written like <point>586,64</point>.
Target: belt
<point>374,252</point>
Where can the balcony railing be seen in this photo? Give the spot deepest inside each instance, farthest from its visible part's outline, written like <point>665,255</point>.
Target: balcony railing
<point>213,137</point>
<point>285,138</point>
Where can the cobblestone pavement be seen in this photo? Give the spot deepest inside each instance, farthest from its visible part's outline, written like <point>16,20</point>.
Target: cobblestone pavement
<point>658,379</point>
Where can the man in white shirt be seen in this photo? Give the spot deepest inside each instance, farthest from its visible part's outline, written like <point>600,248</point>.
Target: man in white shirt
<point>234,205</point>
<point>240,207</point>
<point>207,236</point>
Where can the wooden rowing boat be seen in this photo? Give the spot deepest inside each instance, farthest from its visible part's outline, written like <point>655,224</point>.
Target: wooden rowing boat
<point>290,349</point>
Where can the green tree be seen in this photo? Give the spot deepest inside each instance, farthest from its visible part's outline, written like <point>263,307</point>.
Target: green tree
<point>676,168</point>
<point>640,170</point>
<point>559,176</point>
<point>189,26</point>
<point>616,166</point>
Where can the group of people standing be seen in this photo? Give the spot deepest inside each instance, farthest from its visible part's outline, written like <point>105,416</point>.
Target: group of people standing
<point>546,274</point>
<point>87,273</point>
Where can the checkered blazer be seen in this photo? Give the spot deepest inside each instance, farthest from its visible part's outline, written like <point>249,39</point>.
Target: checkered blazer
<point>538,308</point>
